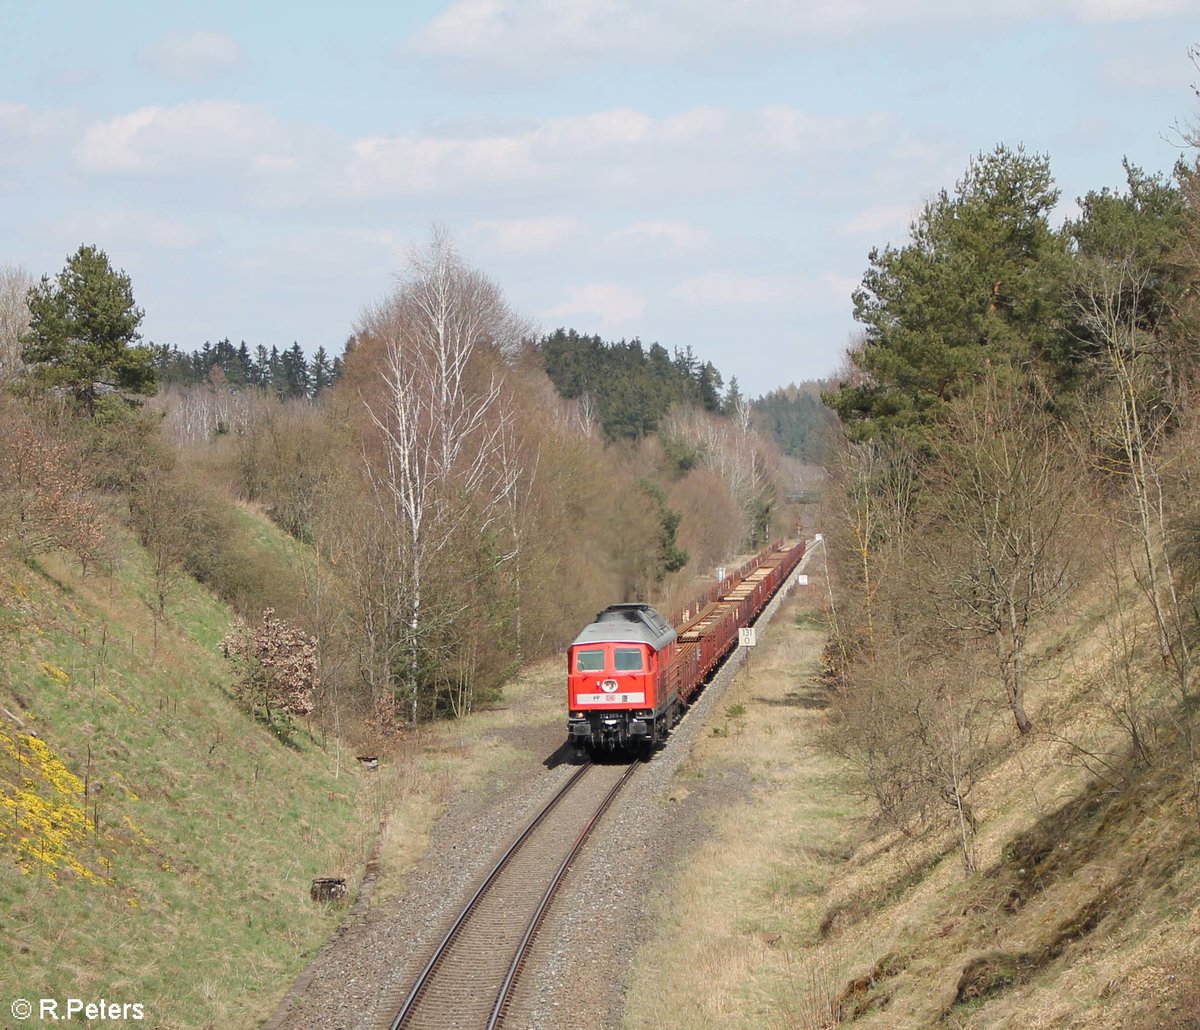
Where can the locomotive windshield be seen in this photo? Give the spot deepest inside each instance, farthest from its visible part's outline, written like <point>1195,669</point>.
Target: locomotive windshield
<point>628,659</point>
<point>589,661</point>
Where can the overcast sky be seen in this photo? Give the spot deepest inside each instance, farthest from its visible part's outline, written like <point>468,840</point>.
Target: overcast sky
<point>710,173</point>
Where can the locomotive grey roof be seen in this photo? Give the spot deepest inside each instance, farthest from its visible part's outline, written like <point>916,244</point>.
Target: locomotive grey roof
<point>628,623</point>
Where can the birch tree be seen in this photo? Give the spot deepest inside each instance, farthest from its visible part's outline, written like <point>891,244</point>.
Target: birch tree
<point>15,284</point>
<point>870,509</point>
<point>734,451</point>
<point>441,422</point>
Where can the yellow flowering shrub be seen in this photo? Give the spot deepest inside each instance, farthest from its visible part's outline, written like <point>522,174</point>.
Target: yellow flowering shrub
<point>55,673</point>
<point>43,819</point>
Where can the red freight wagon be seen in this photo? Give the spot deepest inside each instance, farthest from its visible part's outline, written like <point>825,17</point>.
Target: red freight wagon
<point>630,674</point>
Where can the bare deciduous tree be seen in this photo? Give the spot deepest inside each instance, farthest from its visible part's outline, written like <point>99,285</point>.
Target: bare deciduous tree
<point>1130,424</point>
<point>160,512</point>
<point>15,283</point>
<point>194,415</point>
<point>915,725</point>
<point>734,451</point>
<point>1130,430</point>
<point>1000,547</point>
<point>870,508</point>
<point>43,494</point>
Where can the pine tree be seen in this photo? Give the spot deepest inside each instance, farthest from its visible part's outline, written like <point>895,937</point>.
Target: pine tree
<point>733,397</point>
<point>979,285</point>
<point>708,385</point>
<point>295,372</point>
<point>275,378</point>
<point>246,363</point>
<point>321,372</point>
<point>262,367</point>
<point>83,331</point>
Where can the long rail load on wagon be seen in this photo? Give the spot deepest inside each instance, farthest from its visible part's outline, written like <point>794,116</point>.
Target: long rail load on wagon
<point>632,673</point>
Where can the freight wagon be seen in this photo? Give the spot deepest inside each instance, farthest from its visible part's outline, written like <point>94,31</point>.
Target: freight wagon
<point>632,673</point>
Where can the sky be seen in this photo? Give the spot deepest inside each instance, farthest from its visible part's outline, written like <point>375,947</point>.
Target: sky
<point>703,173</point>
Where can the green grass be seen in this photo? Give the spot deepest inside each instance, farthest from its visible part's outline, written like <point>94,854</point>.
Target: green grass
<point>185,885</point>
<point>267,539</point>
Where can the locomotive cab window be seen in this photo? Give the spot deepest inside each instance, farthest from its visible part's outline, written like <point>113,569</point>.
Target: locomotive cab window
<point>589,661</point>
<point>628,659</point>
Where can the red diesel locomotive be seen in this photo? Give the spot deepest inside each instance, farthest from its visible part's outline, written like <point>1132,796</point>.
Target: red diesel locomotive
<point>618,680</point>
<point>631,674</point>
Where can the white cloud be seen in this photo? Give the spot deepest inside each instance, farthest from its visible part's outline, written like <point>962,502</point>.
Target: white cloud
<point>1132,73</point>
<point>18,120</point>
<point>893,218</point>
<point>734,289</point>
<point>524,236</point>
<point>737,288</point>
<point>415,164</point>
<point>549,35</point>
<point>183,138</point>
<point>536,38</point>
<point>617,151</point>
<point>672,237</point>
<point>793,130</point>
<point>192,56</point>
<point>618,148</point>
<point>838,288</point>
<point>612,303</point>
<point>1124,11</point>
<point>23,130</point>
<point>138,229</point>
<point>601,130</point>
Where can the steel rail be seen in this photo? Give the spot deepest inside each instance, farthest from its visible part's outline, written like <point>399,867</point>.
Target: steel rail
<point>452,933</point>
<point>514,971</point>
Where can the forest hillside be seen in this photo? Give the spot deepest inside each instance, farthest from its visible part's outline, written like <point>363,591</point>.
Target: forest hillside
<point>1012,679</point>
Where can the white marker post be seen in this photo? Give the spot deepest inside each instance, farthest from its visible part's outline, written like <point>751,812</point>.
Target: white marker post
<point>747,638</point>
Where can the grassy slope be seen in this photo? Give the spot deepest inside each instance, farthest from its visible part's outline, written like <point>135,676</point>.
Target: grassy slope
<point>1086,912</point>
<point>748,902</point>
<point>182,880</point>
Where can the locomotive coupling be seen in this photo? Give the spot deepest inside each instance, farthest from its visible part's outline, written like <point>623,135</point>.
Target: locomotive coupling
<point>607,730</point>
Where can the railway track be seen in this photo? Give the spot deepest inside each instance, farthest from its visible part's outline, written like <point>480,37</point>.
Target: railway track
<point>470,980</point>
<point>472,975</point>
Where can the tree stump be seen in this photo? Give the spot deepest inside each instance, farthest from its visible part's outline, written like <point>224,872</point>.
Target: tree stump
<point>328,888</point>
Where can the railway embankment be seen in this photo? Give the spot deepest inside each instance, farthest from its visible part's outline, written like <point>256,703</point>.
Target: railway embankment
<point>763,822</point>
<point>799,909</point>
<point>157,844</point>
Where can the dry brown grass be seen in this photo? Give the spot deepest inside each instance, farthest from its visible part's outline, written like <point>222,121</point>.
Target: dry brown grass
<point>744,916</point>
<point>1086,912</point>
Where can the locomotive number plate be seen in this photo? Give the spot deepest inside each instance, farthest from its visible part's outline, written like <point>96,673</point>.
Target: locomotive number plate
<point>637,698</point>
